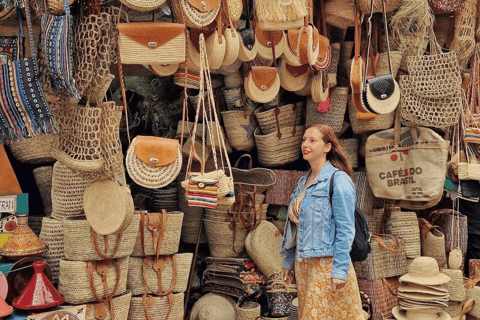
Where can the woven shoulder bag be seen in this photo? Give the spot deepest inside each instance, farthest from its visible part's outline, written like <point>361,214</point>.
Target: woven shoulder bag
<point>280,14</point>
<point>195,13</point>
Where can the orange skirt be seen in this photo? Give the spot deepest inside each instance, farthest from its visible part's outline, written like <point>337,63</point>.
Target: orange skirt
<point>315,297</point>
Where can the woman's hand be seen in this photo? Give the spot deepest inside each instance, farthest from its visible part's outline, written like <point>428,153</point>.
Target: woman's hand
<point>337,284</point>
<point>286,275</point>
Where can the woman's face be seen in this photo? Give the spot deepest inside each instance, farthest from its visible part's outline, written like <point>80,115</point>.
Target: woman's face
<point>313,146</point>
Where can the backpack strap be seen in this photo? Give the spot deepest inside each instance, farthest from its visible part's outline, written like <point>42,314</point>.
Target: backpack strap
<point>332,181</point>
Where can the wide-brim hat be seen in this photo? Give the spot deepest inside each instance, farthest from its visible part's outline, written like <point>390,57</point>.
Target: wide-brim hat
<point>400,314</point>
<point>423,297</point>
<point>213,306</point>
<point>163,70</point>
<point>437,290</point>
<point>425,271</point>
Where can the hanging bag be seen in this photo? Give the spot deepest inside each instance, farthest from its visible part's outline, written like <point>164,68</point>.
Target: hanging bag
<point>280,14</point>
<point>195,13</point>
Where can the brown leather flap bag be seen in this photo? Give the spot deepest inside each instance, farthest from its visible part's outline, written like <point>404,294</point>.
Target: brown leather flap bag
<point>151,34</point>
<point>292,37</point>
<point>266,38</point>
<point>204,5</point>
<point>264,77</point>
<point>156,151</point>
<point>297,71</point>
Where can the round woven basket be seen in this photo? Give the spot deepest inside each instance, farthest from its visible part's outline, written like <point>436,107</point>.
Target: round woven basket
<point>263,247</point>
<point>68,189</point>
<point>75,286</point>
<point>339,13</point>
<point>350,147</point>
<point>159,306</point>
<point>275,152</point>
<point>288,116</point>
<point>220,239</point>
<point>52,236</point>
<point>218,306</point>
<point>335,114</point>
<point>79,241</point>
<point>249,310</point>
<point>171,238</point>
<point>43,179</point>
<point>34,150</point>
<point>404,225</point>
<point>240,129</point>
<point>380,122</point>
<point>192,17</point>
<point>136,284</point>
<point>455,286</point>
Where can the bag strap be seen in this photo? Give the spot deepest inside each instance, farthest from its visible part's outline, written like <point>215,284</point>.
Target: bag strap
<point>330,191</point>
<point>148,301</point>
<point>105,238</point>
<point>100,310</point>
<point>470,283</point>
<point>102,268</point>
<point>389,287</point>
<point>427,226</point>
<point>244,155</point>
<point>396,245</point>
<point>157,225</point>
<point>467,306</point>
<point>158,265</point>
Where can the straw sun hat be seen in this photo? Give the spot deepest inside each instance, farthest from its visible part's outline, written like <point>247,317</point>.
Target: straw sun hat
<point>425,271</point>
<point>413,315</point>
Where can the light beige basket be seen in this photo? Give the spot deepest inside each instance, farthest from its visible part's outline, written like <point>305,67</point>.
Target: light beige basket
<point>263,247</point>
<point>240,126</point>
<point>335,114</point>
<point>463,42</point>
<point>455,287</point>
<point>74,281</point>
<point>43,179</point>
<point>288,116</point>
<point>220,239</point>
<point>136,283</point>
<point>380,122</point>
<point>34,150</point>
<point>404,225</point>
<point>350,147</point>
<point>80,240</point>
<point>249,310</point>
<point>191,16</point>
<point>52,236</point>
<point>121,305</point>
<point>468,171</point>
<point>158,308</point>
<point>382,64</point>
<point>275,152</point>
<point>171,238</point>
<point>339,13</point>
<point>218,306</point>
<point>67,191</point>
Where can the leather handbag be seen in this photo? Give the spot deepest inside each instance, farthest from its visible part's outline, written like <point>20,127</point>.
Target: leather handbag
<point>267,39</point>
<point>151,42</point>
<point>56,46</point>
<point>262,84</point>
<point>293,78</point>
<point>195,13</point>
<point>381,94</point>
<point>153,162</point>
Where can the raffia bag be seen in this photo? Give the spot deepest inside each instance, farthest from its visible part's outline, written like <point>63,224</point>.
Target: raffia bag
<point>120,306</point>
<point>173,275</point>
<point>225,239</point>
<point>433,242</point>
<point>194,13</point>
<point>359,126</point>
<point>463,42</point>
<point>83,244</point>
<point>274,151</point>
<point>156,234</point>
<point>455,287</point>
<point>239,127</point>
<point>390,6</point>
<point>43,179</point>
<point>280,15</point>
<point>335,114</point>
<point>472,291</point>
<point>350,147</point>
<point>253,179</point>
<point>382,293</point>
<point>150,307</point>
<point>34,150</point>
<point>339,13</point>
<point>68,189</point>
<point>52,235</point>
<point>279,117</point>
<point>387,259</point>
<point>404,225</point>
<point>80,282</point>
<point>249,310</point>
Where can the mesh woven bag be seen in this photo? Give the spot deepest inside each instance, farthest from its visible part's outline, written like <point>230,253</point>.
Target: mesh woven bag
<point>52,236</point>
<point>335,114</point>
<point>110,140</point>
<point>464,33</point>
<point>440,112</point>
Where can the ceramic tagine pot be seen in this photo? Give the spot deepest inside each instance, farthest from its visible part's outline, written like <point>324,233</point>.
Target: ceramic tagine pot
<point>5,309</point>
<point>39,293</point>
<point>23,242</point>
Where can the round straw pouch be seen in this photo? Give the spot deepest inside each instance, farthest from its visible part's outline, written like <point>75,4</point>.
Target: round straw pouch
<point>216,305</point>
<point>291,47</point>
<point>163,70</point>
<point>120,306</point>
<point>232,46</point>
<point>148,307</point>
<point>247,52</point>
<point>216,48</point>
<point>232,9</point>
<point>267,39</point>
<point>262,84</point>
<point>293,78</point>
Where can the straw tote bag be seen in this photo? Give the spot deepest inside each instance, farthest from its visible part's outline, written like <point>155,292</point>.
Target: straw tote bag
<point>148,307</point>
<point>195,13</point>
<point>151,42</point>
<point>153,162</point>
<point>115,309</point>
<point>280,14</point>
<point>433,242</point>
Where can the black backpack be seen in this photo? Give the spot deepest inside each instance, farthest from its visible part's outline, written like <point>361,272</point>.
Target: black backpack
<point>361,243</point>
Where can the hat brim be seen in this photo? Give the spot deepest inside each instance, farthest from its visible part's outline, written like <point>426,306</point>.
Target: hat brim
<point>402,315</point>
<point>440,278</point>
<point>437,290</point>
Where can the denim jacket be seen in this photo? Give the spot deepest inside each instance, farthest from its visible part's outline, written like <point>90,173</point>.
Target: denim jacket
<point>323,232</point>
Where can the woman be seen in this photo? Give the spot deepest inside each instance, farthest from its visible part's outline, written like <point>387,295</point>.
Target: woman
<point>318,235</point>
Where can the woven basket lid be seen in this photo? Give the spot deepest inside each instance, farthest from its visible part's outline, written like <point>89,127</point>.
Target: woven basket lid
<point>104,205</point>
<point>410,315</point>
<point>164,70</point>
<point>143,5</point>
<point>212,306</point>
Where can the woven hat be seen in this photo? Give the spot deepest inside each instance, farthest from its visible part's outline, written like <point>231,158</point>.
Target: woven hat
<point>424,271</point>
<point>105,205</point>
<point>143,5</point>
<point>437,290</point>
<point>212,306</point>
<point>413,315</point>
<point>164,70</point>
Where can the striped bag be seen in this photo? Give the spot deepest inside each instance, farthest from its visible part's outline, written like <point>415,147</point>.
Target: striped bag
<point>202,192</point>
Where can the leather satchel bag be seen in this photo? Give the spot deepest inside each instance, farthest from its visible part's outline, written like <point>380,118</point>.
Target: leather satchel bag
<point>195,13</point>
<point>153,162</point>
<point>151,42</point>
<point>293,78</point>
<point>262,84</point>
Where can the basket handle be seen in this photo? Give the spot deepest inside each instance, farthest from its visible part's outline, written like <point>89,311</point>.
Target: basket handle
<point>158,265</point>
<point>467,306</point>
<point>149,303</point>
<point>389,287</point>
<point>470,283</point>
<point>396,245</point>
<point>244,155</point>
<point>105,237</point>
<point>102,268</point>
<point>427,226</point>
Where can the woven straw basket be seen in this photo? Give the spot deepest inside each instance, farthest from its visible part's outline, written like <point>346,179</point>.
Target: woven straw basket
<point>35,223</point>
<point>52,236</point>
<point>159,309</point>
<point>365,197</point>
<point>220,239</point>
<point>473,293</point>
<point>43,179</point>
<point>335,114</point>
<point>455,287</point>
<point>375,221</point>
<point>249,310</point>
<point>79,241</point>
<point>263,247</point>
<point>191,16</point>
<point>405,225</point>
<point>136,284</point>
<point>239,127</point>
<point>67,191</point>
<point>288,116</point>
<point>350,147</point>
<point>218,306</point>
<point>121,305</point>
<point>382,300</point>
<point>74,281</point>
<point>34,150</point>
<point>192,218</point>
<point>171,238</point>
<point>382,64</point>
<point>274,152</point>
<point>380,122</point>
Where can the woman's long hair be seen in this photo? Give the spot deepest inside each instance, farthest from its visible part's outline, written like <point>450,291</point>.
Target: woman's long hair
<point>336,155</point>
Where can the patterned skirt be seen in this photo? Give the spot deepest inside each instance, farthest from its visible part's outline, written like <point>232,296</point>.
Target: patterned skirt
<point>315,297</point>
